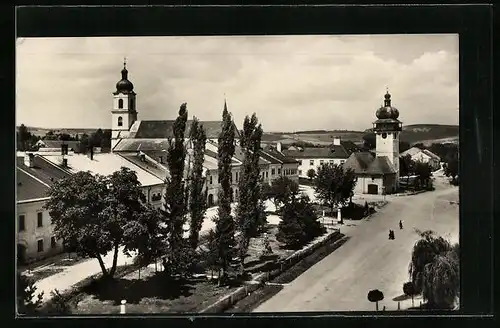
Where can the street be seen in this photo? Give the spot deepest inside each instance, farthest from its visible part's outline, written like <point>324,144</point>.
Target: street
<point>369,260</point>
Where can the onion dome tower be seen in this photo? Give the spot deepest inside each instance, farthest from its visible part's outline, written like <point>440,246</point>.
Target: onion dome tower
<point>387,128</point>
<point>124,113</point>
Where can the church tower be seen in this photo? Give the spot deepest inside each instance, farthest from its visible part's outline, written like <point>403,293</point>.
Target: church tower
<point>387,128</point>
<point>124,113</point>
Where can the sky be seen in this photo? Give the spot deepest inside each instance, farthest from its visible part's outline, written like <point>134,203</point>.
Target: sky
<point>292,83</point>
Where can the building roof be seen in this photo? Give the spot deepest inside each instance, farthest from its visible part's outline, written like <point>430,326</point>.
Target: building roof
<point>214,155</point>
<point>412,151</point>
<point>131,145</point>
<point>366,163</point>
<point>431,154</point>
<point>106,164</point>
<point>333,151</point>
<point>280,156</point>
<point>269,158</point>
<point>349,146</point>
<point>75,145</point>
<point>29,187</point>
<point>42,169</point>
<point>148,165</point>
<point>163,129</point>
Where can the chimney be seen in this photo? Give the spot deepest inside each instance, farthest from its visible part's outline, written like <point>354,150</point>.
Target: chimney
<point>29,159</point>
<point>336,141</point>
<point>65,162</point>
<point>278,147</point>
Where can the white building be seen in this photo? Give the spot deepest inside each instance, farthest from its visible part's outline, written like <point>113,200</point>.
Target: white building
<point>311,158</point>
<point>379,173</point>
<point>423,155</point>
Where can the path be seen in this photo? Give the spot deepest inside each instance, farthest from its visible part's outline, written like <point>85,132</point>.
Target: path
<point>369,260</point>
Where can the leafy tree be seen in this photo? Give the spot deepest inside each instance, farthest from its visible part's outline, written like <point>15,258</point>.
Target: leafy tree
<point>197,196</point>
<point>451,168</point>
<point>211,257</point>
<point>290,230</point>
<point>369,141</point>
<point>89,212</point>
<point>423,172</point>
<point>224,223</point>
<point>23,138</point>
<point>175,205</point>
<point>27,302</point>
<point>425,250</point>
<point>50,135</point>
<point>375,296</point>
<point>143,236</point>
<point>311,173</point>
<point>282,190</point>
<point>403,146</point>
<point>406,165</point>
<point>334,184</point>
<point>250,211</point>
<point>84,143</point>
<point>441,281</point>
<point>409,290</point>
<point>308,218</point>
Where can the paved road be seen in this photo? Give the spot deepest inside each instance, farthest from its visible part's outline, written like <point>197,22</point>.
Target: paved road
<point>369,260</point>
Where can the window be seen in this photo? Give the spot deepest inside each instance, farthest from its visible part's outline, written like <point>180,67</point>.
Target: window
<point>300,172</point>
<point>273,171</point>
<point>120,121</point>
<point>342,161</point>
<point>120,103</point>
<point>311,162</point>
<point>267,174</point>
<point>332,161</point>
<point>40,245</point>
<point>321,162</point>
<point>210,179</point>
<point>300,162</point>
<point>236,176</point>
<point>279,171</point>
<point>231,178</point>
<point>39,220</point>
<point>22,226</point>
<point>53,243</point>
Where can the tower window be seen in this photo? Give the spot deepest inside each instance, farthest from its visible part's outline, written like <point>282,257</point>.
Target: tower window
<point>384,135</point>
<point>120,120</point>
<point>120,103</point>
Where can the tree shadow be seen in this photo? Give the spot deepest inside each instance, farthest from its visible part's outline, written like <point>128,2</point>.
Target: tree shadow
<point>134,290</point>
<point>400,298</point>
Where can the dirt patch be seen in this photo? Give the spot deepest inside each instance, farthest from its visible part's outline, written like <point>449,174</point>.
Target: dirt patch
<point>152,293</point>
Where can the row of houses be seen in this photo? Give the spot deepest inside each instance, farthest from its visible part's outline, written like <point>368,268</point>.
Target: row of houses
<point>37,171</point>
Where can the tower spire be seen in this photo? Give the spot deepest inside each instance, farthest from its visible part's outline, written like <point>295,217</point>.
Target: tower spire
<point>387,101</point>
<point>125,62</point>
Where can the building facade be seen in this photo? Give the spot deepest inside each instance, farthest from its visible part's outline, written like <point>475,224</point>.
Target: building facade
<point>423,155</point>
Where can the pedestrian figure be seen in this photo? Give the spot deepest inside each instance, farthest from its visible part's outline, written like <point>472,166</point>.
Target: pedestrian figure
<point>390,234</point>
<point>400,224</point>
<point>392,231</point>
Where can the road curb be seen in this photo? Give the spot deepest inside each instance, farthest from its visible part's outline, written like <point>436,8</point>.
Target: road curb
<point>244,291</point>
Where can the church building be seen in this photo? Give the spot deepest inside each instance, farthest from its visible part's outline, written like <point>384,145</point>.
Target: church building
<point>379,173</point>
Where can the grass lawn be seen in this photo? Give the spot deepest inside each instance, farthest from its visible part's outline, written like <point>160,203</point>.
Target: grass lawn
<point>152,293</point>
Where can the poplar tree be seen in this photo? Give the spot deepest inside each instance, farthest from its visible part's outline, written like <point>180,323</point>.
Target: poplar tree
<point>197,196</point>
<point>175,208</point>
<point>250,211</point>
<point>224,224</point>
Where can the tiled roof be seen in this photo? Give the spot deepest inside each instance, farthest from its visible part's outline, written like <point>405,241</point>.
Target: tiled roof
<point>333,151</point>
<point>28,187</point>
<point>268,157</point>
<point>131,145</point>
<point>349,146</point>
<point>366,163</point>
<point>106,164</point>
<point>164,129</point>
<point>42,169</point>
<point>280,156</point>
<point>213,154</point>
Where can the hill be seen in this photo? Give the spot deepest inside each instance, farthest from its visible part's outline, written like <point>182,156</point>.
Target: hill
<point>40,132</point>
<point>416,133</point>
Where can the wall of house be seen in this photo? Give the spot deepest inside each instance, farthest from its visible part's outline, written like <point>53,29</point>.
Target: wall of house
<point>273,172</point>
<point>212,185</point>
<point>291,171</point>
<point>362,183</point>
<point>33,233</point>
<point>305,164</point>
<point>154,195</point>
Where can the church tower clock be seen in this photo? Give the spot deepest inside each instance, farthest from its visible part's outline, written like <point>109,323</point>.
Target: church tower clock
<point>124,113</point>
<point>387,128</point>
